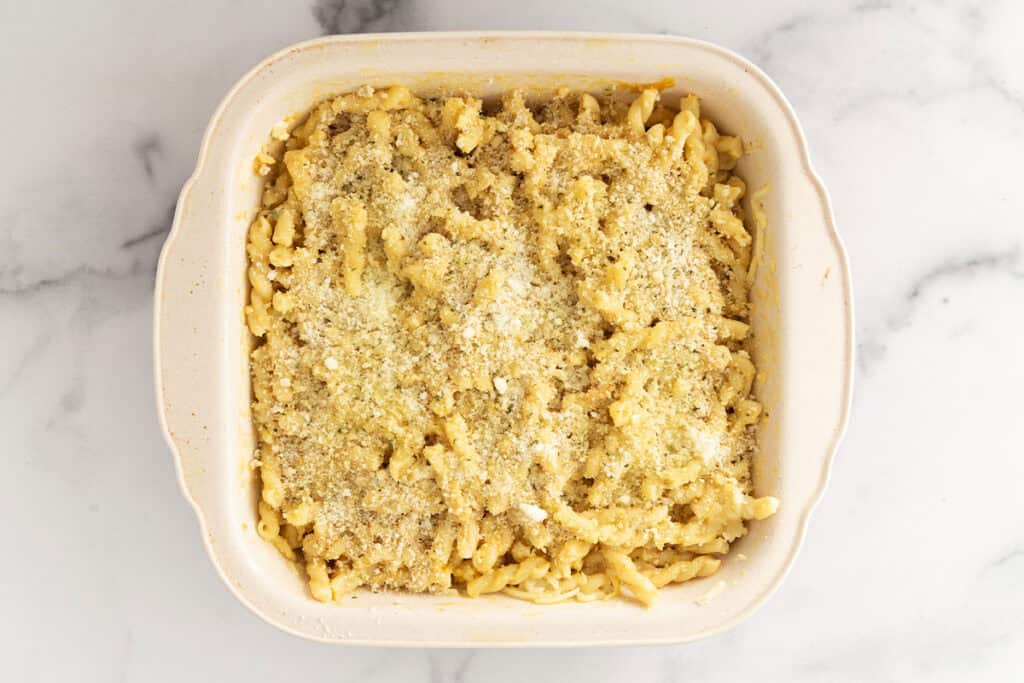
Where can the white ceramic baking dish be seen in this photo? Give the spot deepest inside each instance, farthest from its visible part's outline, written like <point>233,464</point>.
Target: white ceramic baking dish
<point>802,325</point>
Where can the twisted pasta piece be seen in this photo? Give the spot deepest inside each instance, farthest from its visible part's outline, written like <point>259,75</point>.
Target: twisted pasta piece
<point>508,575</point>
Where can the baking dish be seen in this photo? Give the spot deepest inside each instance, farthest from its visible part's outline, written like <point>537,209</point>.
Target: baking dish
<point>802,325</point>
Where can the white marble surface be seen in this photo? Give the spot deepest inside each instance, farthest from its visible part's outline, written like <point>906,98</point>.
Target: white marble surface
<point>914,566</point>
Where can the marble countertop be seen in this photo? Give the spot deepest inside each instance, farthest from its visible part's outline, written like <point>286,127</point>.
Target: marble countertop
<point>913,568</point>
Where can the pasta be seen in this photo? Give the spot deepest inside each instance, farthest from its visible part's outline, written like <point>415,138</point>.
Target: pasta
<point>503,349</point>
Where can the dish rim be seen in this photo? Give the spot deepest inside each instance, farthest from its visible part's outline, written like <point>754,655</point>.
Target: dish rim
<point>845,404</point>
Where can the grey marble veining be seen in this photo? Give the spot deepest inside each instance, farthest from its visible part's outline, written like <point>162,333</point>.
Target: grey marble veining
<point>361,16</point>
<point>871,345</point>
<point>913,568</point>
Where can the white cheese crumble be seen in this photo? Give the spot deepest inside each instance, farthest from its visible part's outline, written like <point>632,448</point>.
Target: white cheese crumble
<point>280,131</point>
<point>533,512</point>
<point>708,446</point>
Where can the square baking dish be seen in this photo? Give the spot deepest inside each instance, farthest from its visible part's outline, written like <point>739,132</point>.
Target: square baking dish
<point>802,325</point>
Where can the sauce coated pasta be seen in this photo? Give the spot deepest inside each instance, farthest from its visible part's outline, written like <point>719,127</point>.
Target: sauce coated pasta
<point>503,349</point>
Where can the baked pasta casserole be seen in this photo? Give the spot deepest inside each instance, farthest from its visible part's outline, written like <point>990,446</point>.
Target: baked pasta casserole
<point>503,346</point>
